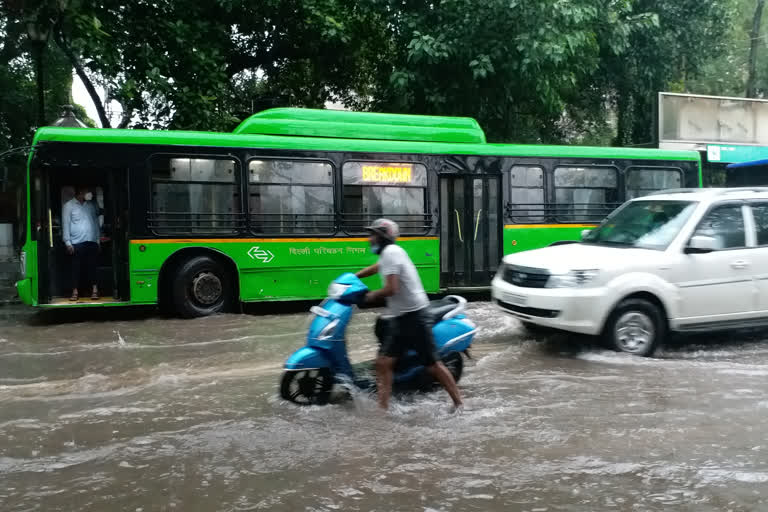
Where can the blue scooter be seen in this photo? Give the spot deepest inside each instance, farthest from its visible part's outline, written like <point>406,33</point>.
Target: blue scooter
<point>311,371</point>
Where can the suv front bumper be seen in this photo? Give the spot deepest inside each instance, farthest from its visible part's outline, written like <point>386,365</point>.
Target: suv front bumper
<point>578,310</point>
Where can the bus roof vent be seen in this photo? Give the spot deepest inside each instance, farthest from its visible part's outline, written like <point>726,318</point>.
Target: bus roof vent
<point>343,124</point>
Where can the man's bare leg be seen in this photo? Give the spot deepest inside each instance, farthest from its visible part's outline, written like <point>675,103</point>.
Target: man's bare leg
<point>384,374</point>
<point>444,377</point>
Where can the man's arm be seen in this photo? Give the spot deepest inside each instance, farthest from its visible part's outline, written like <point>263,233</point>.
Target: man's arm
<point>368,271</point>
<point>66,214</point>
<point>391,286</point>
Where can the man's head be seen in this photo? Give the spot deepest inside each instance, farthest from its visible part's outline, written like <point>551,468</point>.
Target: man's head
<point>83,193</point>
<point>382,233</point>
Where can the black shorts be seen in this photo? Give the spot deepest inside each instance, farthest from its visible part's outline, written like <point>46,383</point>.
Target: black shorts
<point>411,331</point>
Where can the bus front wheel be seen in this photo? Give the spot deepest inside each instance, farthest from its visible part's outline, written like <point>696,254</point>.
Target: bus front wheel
<point>201,287</point>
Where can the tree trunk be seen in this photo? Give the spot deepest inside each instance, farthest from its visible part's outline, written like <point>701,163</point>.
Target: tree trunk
<point>753,44</point>
<point>80,70</point>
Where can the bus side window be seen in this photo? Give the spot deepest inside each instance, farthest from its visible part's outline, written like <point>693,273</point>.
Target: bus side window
<point>527,194</point>
<point>585,194</point>
<point>290,196</point>
<point>379,189</point>
<point>642,181</point>
<point>194,195</point>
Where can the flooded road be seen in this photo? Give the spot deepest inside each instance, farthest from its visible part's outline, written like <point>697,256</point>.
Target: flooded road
<point>149,413</point>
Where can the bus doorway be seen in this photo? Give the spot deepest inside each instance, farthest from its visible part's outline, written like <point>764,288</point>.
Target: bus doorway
<point>470,230</point>
<point>110,195</point>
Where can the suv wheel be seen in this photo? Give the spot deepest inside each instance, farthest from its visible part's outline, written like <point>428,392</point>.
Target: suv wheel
<point>636,327</point>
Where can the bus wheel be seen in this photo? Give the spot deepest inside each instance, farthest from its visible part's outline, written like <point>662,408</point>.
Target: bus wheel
<point>201,287</point>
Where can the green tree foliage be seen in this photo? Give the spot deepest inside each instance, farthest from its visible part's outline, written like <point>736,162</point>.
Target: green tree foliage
<point>543,71</point>
<point>18,83</point>
<point>687,35</point>
<point>205,63</point>
<point>514,65</point>
<point>549,70</point>
<point>727,74</point>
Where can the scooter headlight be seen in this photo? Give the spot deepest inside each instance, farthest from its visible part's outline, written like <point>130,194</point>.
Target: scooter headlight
<point>336,290</point>
<point>329,330</point>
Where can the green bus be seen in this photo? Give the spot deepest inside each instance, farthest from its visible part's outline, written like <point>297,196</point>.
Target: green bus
<point>199,222</point>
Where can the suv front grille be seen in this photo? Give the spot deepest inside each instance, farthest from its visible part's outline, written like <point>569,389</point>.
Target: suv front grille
<point>543,313</point>
<point>525,277</point>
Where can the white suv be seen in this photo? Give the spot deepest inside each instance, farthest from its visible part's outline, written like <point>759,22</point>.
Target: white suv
<point>679,260</point>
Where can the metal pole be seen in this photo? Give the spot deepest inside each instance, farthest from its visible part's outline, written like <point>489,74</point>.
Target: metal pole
<point>40,89</point>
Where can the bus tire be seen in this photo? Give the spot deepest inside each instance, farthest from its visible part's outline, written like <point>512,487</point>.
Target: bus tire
<point>201,286</point>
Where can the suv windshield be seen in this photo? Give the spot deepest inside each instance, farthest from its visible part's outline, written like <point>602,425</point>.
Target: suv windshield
<point>643,224</point>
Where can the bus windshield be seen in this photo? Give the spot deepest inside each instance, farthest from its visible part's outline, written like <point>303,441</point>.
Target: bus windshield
<point>643,224</point>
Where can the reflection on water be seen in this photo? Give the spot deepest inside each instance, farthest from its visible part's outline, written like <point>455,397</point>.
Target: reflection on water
<point>151,413</point>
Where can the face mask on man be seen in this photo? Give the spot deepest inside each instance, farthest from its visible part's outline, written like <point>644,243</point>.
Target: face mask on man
<point>89,196</point>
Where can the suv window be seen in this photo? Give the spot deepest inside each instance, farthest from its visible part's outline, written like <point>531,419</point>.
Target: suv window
<point>646,224</point>
<point>726,225</point>
<point>760,212</point>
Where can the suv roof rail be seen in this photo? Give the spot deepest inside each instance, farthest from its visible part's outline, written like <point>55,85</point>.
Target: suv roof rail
<point>742,189</point>
<point>675,191</point>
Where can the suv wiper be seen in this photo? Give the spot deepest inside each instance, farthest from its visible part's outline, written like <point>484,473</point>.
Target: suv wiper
<point>612,242</point>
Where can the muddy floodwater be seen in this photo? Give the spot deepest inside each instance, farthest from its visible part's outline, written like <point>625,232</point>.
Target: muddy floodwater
<point>146,413</point>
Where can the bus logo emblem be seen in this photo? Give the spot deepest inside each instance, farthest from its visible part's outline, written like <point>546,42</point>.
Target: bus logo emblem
<point>260,254</point>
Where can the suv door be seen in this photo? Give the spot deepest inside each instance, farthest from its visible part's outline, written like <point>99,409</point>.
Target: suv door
<point>717,287</point>
<point>760,273</point>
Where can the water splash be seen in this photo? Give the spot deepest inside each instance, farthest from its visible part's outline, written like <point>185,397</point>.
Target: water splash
<point>120,340</point>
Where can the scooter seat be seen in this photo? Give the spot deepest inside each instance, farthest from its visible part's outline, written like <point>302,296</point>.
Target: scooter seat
<point>439,308</point>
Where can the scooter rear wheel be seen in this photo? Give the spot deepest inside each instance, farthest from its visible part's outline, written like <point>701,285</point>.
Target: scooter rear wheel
<point>307,387</point>
<point>455,364</point>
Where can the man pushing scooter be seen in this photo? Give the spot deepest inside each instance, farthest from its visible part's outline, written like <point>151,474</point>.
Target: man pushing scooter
<point>407,303</point>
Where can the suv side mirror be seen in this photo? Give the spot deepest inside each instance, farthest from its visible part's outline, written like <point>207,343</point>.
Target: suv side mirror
<point>700,244</point>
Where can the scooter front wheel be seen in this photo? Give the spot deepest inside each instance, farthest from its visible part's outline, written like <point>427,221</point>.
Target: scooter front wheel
<point>307,387</point>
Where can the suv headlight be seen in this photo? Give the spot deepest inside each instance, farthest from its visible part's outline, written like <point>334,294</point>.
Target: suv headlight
<point>572,279</point>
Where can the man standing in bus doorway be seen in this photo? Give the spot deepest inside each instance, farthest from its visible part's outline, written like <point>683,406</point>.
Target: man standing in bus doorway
<point>407,302</point>
<point>80,232</point>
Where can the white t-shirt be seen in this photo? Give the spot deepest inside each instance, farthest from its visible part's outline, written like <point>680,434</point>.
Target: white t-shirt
<point>410,295</point>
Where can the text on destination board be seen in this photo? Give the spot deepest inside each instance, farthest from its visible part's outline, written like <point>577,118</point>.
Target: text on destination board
<point>387,174</point>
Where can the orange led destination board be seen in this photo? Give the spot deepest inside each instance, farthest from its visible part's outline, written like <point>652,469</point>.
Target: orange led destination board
<point>387,174</point>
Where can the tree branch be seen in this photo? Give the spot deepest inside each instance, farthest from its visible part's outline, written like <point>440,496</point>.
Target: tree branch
<point>127,113</point>
<point>80,70</point>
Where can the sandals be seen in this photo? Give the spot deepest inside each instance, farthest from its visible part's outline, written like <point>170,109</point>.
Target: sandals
<point>76,298</point>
